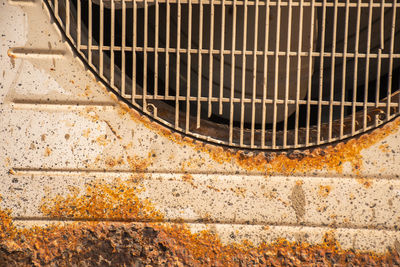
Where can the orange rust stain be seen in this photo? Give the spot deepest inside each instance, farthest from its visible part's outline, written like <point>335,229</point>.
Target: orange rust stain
<point>299,182</point>
<point>324,190</point>
<point>112,162</point>
<point>103,140</point>
<point>47,151</point>
<point>90,113</point>
<point>7,229</point>
<point>213,188</point>
<point>137,163</point>
<point>189,179</point>
<point>270,194</point>
<point>266,228</point>
<point>128,146</point>
<point>384,148</point>
<point>367,183</point>
<point>120,200</point>
<point>101,200</point>
<point>86,133</point>
<point>330,158</point>
<point>87,90</point>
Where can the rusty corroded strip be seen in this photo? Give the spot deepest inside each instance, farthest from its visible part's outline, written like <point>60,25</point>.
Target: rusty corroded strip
<point>329,158</point>
<point>109,243</point>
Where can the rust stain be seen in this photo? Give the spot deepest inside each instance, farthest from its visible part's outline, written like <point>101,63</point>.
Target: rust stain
<point>47,151</point>
<point>102,140</point>
<point>90,113</point>
<point>43,137</point>
<point>112,162</point>
<point>137,163</point>
<point>12,57</point>
<point>328,158</point>
<point>324,190</point>
<point>213,188</point>
<point>367,183</point>
<point>88,91</point>
<point>384,148</point>
<point>239,191</point>
<point>100,200</point>
<point>188,179</point>
<point>86,133</point>
<point>127,243</point>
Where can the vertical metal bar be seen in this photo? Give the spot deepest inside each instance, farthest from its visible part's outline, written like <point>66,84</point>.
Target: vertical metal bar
<point>188,81</point>
<point>101,38</point>
<point>90,33</point>
<point>211,60</point>
<point>332,90</point>
<point>112,54</point>
<point>123,47</point>
<point>299,50</point>
<point>199,65</point>
<point>56,7</point>
<point>321,72</point>
<point>178,58</point>
<point>382,46</point>
<point>78,24</point>
<point>168,23</point>
<point>276,73</point>
<point>253,102</point>
<point>134,40</point>
<point>382,24</point>
<point>344,66</point>
<point>390,78</point>
<point>265,74</point>
<point>232,95</point>
<point>67,18</point>
<point>367,65</point>
<point>156,37</point>
<point>310,72</point>
<point>289,37</point>
<point>221,58</point>
<point>145,43</point>
<point>353,120</point>
<point>243,73</point>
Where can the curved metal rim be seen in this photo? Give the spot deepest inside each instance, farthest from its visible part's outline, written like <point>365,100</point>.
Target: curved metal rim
<point>190,135</point>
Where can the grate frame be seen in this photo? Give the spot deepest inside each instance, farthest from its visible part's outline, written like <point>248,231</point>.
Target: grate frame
<point>371,116</point>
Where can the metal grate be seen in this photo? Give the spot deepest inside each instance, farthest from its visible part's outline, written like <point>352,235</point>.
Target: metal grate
<point>252,74</point>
